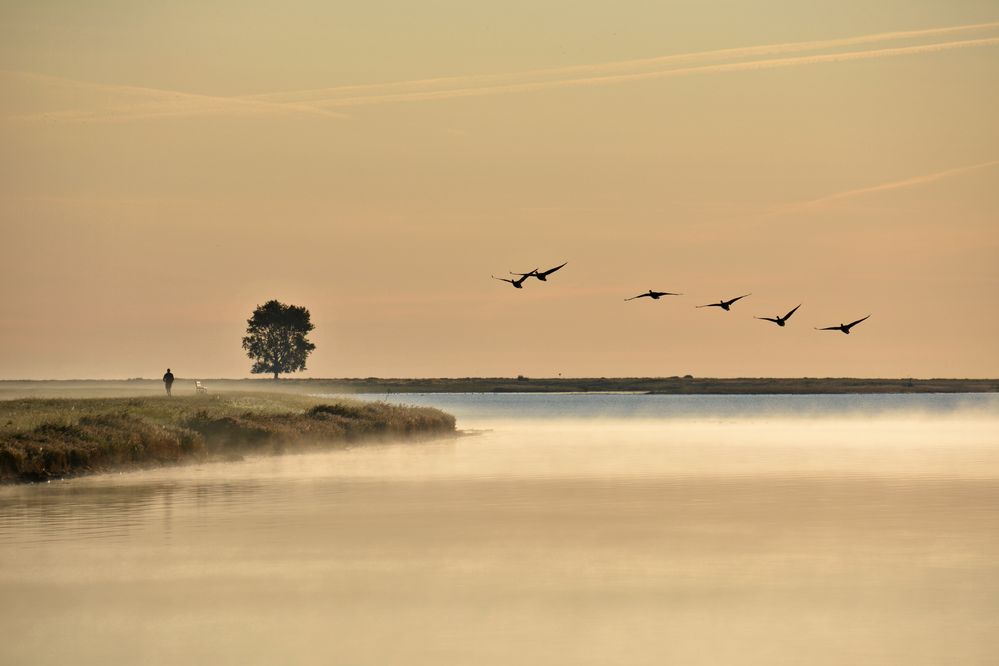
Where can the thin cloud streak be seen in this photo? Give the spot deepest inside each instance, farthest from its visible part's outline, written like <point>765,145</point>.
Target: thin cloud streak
<point>166,104</point>
<point>770,63</point>
<point>594,69</point>
<point>885,187</point>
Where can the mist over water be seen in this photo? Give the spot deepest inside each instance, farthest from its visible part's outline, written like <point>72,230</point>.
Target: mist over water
<point>478,407</point>
<point>569,529</point>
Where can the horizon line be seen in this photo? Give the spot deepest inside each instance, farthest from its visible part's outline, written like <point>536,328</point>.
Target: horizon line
<point>687,377</point>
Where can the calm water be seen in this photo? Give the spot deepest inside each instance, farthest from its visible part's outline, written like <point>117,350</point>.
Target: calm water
<point>571,529</point>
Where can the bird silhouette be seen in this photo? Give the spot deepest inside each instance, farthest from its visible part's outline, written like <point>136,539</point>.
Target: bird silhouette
<point>518,283</point>
<point>541,275</point>
<point>724,305</point>
<point>842,327</point>
<point>780,321</point>
<point>654,295</point>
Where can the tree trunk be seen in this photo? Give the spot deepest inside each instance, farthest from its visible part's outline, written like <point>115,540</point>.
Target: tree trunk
<point>275,374</point>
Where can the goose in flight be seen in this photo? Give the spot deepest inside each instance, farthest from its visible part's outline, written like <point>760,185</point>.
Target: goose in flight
<point>724,305</point>
<point>842,327</point>
<point>654,295</point>
<point>518,283</point>
<point>541,275</point>
<point>780,321</point>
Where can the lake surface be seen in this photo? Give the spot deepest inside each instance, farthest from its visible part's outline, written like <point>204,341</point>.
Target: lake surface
<point>570,529</point>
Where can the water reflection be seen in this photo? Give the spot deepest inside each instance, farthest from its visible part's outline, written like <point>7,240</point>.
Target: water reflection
<point>717,536</point>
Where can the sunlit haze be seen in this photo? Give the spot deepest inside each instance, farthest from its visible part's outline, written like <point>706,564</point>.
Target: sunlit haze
<point>167,167</point>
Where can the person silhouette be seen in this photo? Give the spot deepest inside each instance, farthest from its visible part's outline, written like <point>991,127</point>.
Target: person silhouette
<point>168,380</point>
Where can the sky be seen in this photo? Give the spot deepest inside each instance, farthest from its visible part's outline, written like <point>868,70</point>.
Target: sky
<point>165,167</point>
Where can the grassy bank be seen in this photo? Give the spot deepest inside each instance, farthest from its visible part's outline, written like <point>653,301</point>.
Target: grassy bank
<point>42,439</point>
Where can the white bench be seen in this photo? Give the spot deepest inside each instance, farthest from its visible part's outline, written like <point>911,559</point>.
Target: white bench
<point>200,388</point>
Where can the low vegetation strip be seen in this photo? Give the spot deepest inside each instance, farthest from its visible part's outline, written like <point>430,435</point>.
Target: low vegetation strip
<point>56,438</point>
<point>687,385</point>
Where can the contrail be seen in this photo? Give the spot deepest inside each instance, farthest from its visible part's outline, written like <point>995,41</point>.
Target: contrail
<point>658,74</point>
<point>893,185</point>
<point>319,101</point>
<point>593,69</point>
<point>162,103</point>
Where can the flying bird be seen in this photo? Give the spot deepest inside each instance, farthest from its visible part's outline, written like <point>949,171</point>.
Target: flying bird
<point>842,327</point>
<point>518,283</point>
<point>780,321</point>
<point>724,305</point>
<point>654,295</point>
<point>541,275</point>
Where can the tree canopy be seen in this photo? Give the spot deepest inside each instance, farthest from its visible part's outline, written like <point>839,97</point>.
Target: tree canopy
<point>275,338</point>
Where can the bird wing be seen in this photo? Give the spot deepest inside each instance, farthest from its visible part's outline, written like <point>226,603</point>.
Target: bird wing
<point>788,315</point>
<point>852,324</point>
<point>522,274</point>
<point>768,319</point>
<point>552,270</point>
<point>667,293</point>
<point>828,328</point>
<point>709,305</point>
<point>737,298</point>
<point>634,297</point>
<point>501,279</point>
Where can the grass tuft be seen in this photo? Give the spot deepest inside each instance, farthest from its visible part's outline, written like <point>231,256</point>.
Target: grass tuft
<point>55,438</point>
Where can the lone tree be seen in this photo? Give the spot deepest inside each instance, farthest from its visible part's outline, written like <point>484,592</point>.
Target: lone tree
<point>275,338</point>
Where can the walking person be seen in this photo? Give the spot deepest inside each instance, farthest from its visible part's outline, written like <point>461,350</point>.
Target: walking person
<point>168,380</point>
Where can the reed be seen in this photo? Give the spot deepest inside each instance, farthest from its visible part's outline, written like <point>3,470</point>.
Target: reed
<point>42,439</point>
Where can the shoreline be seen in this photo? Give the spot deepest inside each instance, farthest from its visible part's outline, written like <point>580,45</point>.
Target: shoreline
<point>15,389</point>
<point>45,439</point>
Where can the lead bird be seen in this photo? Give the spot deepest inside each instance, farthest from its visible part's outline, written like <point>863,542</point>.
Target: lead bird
<point>842,327</point>
<point>654,295</point>
<point>541,275</point>
<point>780,321</point>
<point>518,283</point>
<point>724,305</point>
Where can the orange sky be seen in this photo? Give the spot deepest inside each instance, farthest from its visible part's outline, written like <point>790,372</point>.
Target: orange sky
<point>165,167</point>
